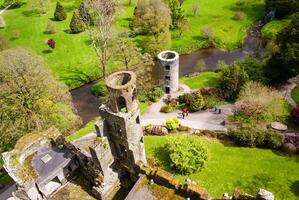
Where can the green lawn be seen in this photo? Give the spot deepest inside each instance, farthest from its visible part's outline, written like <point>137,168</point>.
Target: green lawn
<point>231,167</point>
<point>295,95</point>
<point>217,14</point>
<point>73,60</point>
<point>205,79</point>
<point>88,128</point>
<point>271,29</point>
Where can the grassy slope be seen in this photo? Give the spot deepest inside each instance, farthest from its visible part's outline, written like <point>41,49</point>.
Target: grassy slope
<point>205,79</point>
<point>88,128</point>
<point>271,29</point>
<point>218,15</point>
<point>68,54</point>
<point>232,167</point>
<point>74,61</point>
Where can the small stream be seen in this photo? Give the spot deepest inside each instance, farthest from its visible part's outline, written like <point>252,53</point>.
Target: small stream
<point>87,104</point>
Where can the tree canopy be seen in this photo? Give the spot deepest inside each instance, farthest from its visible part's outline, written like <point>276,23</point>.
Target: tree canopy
<point>31,99</point>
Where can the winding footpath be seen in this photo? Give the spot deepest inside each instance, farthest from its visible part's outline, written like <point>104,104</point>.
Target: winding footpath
<point>202,120</point>
<point>286,90</point>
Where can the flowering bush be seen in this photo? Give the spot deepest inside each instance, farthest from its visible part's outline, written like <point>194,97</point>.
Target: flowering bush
<point>173,123</point>
<point>51,43</point>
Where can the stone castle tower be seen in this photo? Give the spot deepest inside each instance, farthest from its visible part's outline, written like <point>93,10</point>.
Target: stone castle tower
<point>169,71</point>
<point>121,123</point>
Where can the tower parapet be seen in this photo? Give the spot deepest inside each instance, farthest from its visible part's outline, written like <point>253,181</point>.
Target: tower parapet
<point>169,71</point>
<point>122,122</point>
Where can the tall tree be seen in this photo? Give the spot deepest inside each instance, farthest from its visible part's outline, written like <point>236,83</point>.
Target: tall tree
<point>30,98</point>
<point>104,13</point>
<point>282,8</point>
<point>284,64</point>
<point>77,25</point>
<point>59,13</point>
<point>177,12</point>
<point>127,52</point>
<point>152,18</point>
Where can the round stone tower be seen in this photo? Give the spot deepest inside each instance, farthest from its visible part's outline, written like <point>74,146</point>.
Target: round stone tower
<point>122,124</point>
<point>122,91</point>
<point>169,71</point>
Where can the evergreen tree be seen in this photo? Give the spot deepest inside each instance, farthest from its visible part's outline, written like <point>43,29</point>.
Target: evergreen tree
<point>85,15</point>
<point>59,13</point>
<point>77,25</point>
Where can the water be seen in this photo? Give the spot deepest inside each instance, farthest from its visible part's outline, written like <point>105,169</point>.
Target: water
<point>87,104</point>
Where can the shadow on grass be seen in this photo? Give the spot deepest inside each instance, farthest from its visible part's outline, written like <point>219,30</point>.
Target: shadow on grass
<point>251,184</point>
<point>30,13</point>
<point>250,9</point>
<point>76,74</point>
<point>47,51</point>
<point>199,37</point>
<point>162,157</point>
<point>295,188</point>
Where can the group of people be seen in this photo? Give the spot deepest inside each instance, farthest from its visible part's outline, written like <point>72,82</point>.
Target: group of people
<point>217,110</point>
<point>185,112</point>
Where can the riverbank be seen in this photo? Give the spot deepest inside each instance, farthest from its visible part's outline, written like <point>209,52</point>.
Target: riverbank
<point>75,68</point>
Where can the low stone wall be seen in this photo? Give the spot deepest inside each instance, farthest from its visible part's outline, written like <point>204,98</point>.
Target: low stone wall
<point>166,179</point>
<point>193,191</point>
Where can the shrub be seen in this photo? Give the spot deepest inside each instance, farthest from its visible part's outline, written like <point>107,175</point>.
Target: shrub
<point>239,16</point>
<point>2,22</point>
<point>51,28</point>
<point>85,15</point>
<point>77,25</point>
<point>295,114</point>
<point>15,34</point>
<point>273,139</point>
<point>168,108</point>
<point>173,123</point>
<point>155,94</point>
<point>13,3</point>
<point>252,136</point>
<point>187,153</point>
<point>185,99</point>
<point>232,79</point>
<point>59,13</point>
<point>259,101</point>
<point>4,44</point>
<point>99,89</point>
<point>255,97</point>
<point>51,43</point>
<point>197,102</point>
<point>142,98</point>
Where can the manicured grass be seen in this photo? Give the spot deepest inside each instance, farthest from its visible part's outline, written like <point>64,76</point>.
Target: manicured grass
<point>88,128</point>
<point>143,106</point>
<point>271,29</point>
<point>205,79</point>
<point>73,60</point>
<point>295,95</point>
<point>217,14</point>
<point>231,167</point>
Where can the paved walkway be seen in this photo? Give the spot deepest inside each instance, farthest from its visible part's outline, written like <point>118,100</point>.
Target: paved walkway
<point>286,90</point>
<point>199,120</point>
